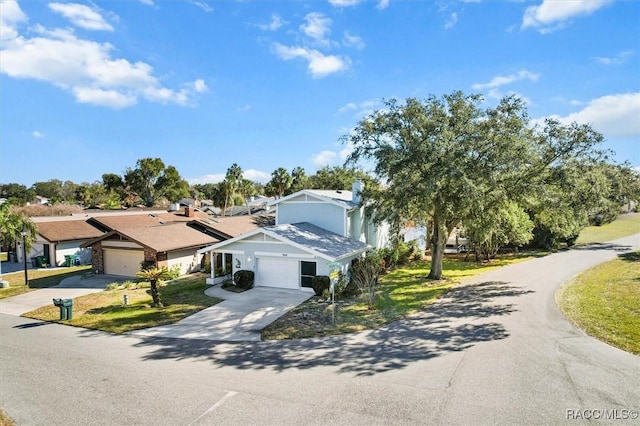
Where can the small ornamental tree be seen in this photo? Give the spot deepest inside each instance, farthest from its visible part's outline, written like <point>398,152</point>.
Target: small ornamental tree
<point>153,275</point>
<point>365,273</point>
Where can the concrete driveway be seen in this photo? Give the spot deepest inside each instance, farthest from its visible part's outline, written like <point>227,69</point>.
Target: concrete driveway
<point>69,288</point>
<point>239,318</point>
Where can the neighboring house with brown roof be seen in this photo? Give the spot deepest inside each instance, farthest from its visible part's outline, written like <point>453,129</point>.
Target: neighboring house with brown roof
<point>122,251</point>
<point>164,238</point>
<point>59,238</point>
<point>117,242</point>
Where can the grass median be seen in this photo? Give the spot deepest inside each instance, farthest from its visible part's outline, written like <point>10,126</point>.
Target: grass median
<point>604,301</point>
<point>106,310</point>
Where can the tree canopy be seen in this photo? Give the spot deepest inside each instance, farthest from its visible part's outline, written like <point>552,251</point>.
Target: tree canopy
<point>151,180</point>
<point>451,160</point>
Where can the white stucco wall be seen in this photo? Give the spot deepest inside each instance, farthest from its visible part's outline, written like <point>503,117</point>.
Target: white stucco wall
<point>188,260</point>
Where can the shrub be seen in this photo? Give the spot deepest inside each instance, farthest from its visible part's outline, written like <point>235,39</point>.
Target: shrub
<point>345,288</point>
<point>175,272</point>
<point>244,279</point>
<point>320,283</point>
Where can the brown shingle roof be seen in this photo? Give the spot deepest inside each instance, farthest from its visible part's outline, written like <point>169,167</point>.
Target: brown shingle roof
<point>169,237</point>
<point>116,222</point>
<point>230,227</point>
<point>68,230</point>
<point>160,238</point>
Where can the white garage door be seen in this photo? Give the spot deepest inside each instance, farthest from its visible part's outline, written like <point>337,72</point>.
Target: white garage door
<point>122,262</point>
<point>282,273</point>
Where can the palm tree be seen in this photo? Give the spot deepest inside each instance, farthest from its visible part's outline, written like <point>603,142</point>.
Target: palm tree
<point>247,189</point>
<point>13,224</point>
<point>231,182</point>
<point>153,275</point>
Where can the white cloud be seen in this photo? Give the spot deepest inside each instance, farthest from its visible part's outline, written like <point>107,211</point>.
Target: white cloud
<point>317,26</point>
<point>199,86</point>
<point>275,24</point>
<point>554,14</point>
<point>101,97</point>
<point>319,65</point>
<point>212,178</point>
<point>453,18</point>
<point>147,2</point>
<point>344,3</point>
<point>351,40</point>
<point>202,5</point>
<point>256,175</point>
<point>83,67</point>
<point>324,158</point>
<point>502,80</point>
<point>612,115</point>
<point>11,16</point>
<point>361,109</point>
<point>382,4</point>
<point>81,16</point>
<point>244,108</point>
<point>251,174</point>
<point>617,59</point>
<point>38,135</point>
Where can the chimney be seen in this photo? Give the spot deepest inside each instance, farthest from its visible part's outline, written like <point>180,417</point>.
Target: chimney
<point>356,191</point>
<point>189,211</point>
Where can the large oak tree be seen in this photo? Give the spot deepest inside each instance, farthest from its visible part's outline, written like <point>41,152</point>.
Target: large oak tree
<point>451,159</point>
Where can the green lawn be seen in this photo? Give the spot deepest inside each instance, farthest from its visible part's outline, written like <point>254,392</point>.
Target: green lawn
<point>402,292</point>
<point>604,301</point>
<point>626,225</point>
<point>106,310</point>
<point>38,278</point>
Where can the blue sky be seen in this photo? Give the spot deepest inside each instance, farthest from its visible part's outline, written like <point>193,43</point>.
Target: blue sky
<point>90,87</point>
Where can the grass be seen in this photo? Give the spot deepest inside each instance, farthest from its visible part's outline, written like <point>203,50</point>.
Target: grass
<point>624,226</point>
<point>604,301</point>
<point>5,420</point>
<point>106,310</point>
<point>402,292</point>
<point>38,278</point>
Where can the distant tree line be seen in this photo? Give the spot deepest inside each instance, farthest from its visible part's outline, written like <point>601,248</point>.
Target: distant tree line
<point>152,183</point>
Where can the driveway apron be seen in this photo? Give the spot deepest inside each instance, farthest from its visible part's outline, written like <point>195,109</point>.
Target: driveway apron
<point>239,318</point>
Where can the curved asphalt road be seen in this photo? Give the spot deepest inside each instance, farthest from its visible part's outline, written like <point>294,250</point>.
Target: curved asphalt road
<point>495,351</point>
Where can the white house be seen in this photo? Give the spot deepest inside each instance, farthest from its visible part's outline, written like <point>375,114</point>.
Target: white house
<point>316,232</point>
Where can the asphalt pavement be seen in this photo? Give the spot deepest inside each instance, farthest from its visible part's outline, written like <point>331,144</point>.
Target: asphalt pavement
<point>494,351</point>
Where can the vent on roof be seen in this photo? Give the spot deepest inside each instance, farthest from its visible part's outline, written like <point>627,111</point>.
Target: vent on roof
<point>152,215</point>
<point>338,191</point>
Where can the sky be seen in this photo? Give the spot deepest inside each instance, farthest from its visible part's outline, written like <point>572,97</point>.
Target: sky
<point>90,87</point>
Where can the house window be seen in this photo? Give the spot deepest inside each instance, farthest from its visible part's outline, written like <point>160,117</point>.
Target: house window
<point>307,272</point>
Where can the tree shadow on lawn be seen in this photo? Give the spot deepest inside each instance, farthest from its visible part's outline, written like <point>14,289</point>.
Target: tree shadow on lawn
<point>463,318</point>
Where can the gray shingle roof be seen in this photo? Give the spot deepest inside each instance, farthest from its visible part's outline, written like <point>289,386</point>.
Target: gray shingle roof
<point>326,243</point>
